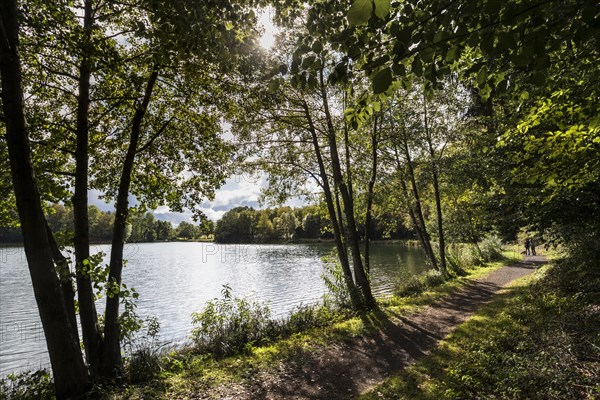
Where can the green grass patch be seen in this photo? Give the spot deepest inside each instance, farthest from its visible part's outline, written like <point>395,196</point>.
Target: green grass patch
<point>186,372</point>
<point>532,341</point>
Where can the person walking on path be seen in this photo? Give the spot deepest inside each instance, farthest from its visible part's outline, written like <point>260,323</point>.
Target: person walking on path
<point>532,246</point>
<point>527,244</point>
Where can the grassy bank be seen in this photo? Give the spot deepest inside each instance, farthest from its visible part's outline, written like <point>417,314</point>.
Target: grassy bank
<point>184,373</point>
<point>539,340</point>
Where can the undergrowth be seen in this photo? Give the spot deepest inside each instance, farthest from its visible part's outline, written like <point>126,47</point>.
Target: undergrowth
<point>234,338</point>
<point>461,258</point>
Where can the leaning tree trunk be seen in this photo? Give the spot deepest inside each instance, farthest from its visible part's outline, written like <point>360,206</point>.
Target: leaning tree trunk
<point>418,210</point>
<point>436,190</point>
<point>111,357</point>
<point>66,280</point>
<point>92,337</point>
<point>368,216</point>
<point>69,371</point>
<point>361,278</point>
<point>336,224</point>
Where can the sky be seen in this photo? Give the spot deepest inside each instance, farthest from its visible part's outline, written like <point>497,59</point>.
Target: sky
<point>238,190</point>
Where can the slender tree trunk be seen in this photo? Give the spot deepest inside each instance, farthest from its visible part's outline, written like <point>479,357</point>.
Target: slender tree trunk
<point>340,217</point>
<point>438,206</point>
<point>360,276</point>
<point>66,281</point>
<point>92,337</point>
<point>411,211</point>
<point>111,360</point>
<point>336,225</point>
<point>374,142</point>
<point>418,210</point>
<point>69,371</point>
<point>436,190</point>
<point>347,151</point>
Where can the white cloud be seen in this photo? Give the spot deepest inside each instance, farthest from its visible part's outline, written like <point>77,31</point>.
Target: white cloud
<point>239,190</point>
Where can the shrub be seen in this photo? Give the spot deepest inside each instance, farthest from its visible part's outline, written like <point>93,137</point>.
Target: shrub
<point>143,365</point>
<point>490,249</point>
<point>144,361</point>
<point>419,283</point>
<point>338,293</point>
<point>306,317</point>
<point>460,257</point>
<point>231,325</point>
<point>226,326</point>
<point>30,385</point>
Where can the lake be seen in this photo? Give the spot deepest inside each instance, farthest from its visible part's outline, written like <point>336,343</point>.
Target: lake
<point>176,279</point>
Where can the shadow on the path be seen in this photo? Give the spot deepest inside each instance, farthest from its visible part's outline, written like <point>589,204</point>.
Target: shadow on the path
<point>333,373</point>
<point>345,369</point>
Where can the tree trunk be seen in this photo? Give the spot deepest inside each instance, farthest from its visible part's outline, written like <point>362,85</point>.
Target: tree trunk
<point>374,141</point>
<point>92,338</point>
<point>436,190</point>
<point>69,371</point>
<point>362,281</point>
<point>66,281</point>
<point>336,225</point>
<point>340,218</point>
<point>411,211</point>
<point>438,206</point>
<point>111,358</point>
<point>418,211</point>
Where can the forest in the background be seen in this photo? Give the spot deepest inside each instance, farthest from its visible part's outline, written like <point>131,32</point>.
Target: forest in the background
<point>238,225</point>
<point>142,227</point>
<point>286,224</point>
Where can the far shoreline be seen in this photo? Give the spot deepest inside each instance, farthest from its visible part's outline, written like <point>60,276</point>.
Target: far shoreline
<point>408,242</point>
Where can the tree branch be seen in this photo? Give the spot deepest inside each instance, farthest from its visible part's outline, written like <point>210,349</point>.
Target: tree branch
<point>156,135</point>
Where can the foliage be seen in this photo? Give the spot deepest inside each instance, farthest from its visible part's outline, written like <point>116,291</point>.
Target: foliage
<point>306,317</point>
<point>129,321</point>
<point>142,227</point>
<point>282,224</point>
<point>334,279</point>
<point>145,359</point>
<point>231,325</point>
<point>417,284</point>
<point>489,249</point>
<point>30,385</point>
<point>227,325</point>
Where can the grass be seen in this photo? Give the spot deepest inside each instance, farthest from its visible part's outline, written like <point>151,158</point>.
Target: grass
<point>532,341</point>
<point>185,372</point>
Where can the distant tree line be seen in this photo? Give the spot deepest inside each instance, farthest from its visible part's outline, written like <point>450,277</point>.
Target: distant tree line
<point>284,224</point>
<point>141,227</point>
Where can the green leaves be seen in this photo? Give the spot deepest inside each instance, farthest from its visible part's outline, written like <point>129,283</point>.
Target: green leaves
<point>417,67</point>
<point>382,8</point>
<point>382,81</point>
<point>360,12</point>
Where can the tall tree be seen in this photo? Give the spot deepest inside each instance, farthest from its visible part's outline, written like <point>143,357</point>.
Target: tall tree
<point>90,90</point>
<point>69,371</point>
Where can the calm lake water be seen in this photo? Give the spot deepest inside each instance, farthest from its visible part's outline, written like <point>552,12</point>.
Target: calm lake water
<point>176,279</point>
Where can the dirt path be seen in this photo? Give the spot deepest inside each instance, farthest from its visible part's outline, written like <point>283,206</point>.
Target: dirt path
<point>345,370</point>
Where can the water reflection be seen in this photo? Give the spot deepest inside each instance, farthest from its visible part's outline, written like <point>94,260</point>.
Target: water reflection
<point>176,279</point>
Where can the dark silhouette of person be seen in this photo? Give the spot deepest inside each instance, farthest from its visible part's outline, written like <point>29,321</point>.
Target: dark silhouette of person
<point>527,246</point>
<point>532,245</point>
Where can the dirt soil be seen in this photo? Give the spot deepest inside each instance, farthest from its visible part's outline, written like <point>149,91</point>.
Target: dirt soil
<point>345,370</point>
